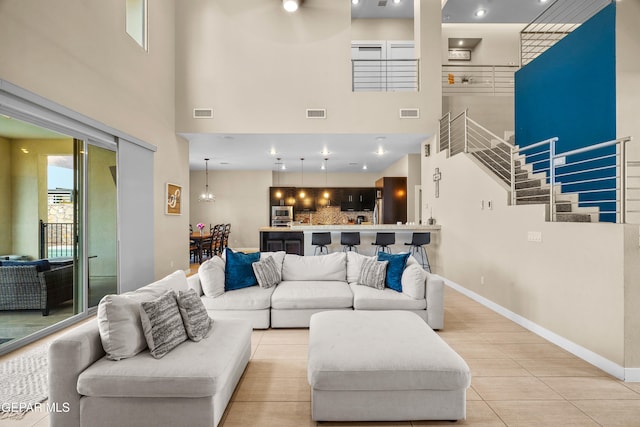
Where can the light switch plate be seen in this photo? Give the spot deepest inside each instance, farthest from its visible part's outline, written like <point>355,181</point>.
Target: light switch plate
<point>534,236</point>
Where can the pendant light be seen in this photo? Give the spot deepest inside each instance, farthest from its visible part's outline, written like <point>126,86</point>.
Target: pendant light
<point>302,194</point>
<point>207,196</point>
<point>326,191</point>
<point>278,192</point>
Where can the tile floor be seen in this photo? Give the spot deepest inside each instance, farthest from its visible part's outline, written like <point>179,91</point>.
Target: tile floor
<point>519,379</point>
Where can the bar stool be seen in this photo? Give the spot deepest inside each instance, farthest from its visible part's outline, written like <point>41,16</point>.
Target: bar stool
<point>383,240</point>
<point>320,241</point>
<point>418,240</point>
<point>350,240</point>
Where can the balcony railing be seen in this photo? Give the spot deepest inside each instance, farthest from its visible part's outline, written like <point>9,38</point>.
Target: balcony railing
<point>495,80</point>
<point>385,75</point>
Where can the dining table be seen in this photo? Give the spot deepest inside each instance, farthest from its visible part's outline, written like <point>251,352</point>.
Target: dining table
<point>198,238</point>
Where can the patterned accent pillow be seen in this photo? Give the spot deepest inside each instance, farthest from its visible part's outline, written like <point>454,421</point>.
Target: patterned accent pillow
<point>372,273</point>
<point>196,320</point>
<point>267,272</point>
<point>162,324</point>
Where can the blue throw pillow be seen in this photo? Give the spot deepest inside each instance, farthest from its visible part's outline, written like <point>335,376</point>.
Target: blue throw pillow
<point>41,264</point>
<point>394,269</point>
<point>238,272</point>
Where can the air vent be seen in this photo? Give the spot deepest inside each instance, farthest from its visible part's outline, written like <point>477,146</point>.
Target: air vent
<point>409,113</point>
<point>316,113</point>
<point>382,3</point>
<point>203,113</point>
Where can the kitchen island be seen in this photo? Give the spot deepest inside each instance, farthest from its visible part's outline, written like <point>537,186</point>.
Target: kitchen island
<point>302,234</point>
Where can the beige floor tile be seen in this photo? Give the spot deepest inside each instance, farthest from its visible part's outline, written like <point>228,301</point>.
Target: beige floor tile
<point>29,419</point>
<point>494,326</point>
<point>580,388</point>
<point>472,394</point>
<point>42,423</point>
<point>610,413</point>
<point>565,367</point>
<point>633,386</point>
<point>277,368</point>
<point>512,338</point>
<point>286,336</point>
<point>293,351</point>
<point>479,414</point>
<point>541,413</point>
<point>534,351</point>
<point>513,388</point>
<point>496,368</point>
<point>365,424</point>
<point>461,336</point>
<point>274,389</point>
<point>470,350</point>
<point>269,414</point>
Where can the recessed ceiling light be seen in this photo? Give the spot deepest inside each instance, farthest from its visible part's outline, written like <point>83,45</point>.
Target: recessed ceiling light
<point>396,1</point>
<point>480,12</point>
<point>273,151</point>
<point>380,151</point>
<point>364,167</point>
<point>283,167</point>
<point>325,152</point>
<point>355,2</point>
<point>290,5</point>
<point>543,1</point>
<point>460,43</point>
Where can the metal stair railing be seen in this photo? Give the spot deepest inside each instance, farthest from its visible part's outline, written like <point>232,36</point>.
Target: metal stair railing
<point>494,80</point>
<point>554,23</point>
<point>385,75</point>
<point>597,174</point>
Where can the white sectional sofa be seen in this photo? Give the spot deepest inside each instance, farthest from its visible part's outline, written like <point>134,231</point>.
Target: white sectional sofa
<point>312,284</point>
<point>189,386</point>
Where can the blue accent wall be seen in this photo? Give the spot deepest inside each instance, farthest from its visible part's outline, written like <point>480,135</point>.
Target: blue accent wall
<point>569,92</point>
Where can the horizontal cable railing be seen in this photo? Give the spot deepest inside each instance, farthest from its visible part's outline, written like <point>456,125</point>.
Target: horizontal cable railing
<point>557,21</point>
<point>599,176</point>
<point>485,80</point>
<point>385,75</point>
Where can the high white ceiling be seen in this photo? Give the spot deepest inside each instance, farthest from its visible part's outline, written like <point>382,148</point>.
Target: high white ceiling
<point>498,11</point>
<point>384,9</point>
<point>346,153</point>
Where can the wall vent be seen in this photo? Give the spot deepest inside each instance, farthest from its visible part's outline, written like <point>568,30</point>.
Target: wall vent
<point>203,113</point>
<point>409,113</point>
<point>316,113</point>
<point>382,3</point>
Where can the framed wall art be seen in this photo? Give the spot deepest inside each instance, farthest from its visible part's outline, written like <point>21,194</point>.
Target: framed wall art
<point>173,198</point>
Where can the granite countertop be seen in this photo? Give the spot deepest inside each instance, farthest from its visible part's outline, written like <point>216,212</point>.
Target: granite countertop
<point>354,227</point>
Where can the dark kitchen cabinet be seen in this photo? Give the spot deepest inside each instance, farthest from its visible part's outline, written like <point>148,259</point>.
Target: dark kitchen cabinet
<point>306,203</point>
<point>292,242</point>
<point>282,196</point>
<point>394,199</point>
<point>358,199</point>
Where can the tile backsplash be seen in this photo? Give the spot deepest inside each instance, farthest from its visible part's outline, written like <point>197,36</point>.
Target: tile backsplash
<point>330,216</point>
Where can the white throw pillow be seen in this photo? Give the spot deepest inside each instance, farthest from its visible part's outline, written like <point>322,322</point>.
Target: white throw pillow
<point>278,257</point>
<point>176,281</point>
<point>211,273</point>
<point>354,265</point>
<point>332,267</point>
<point>120,325</point>
<point>412,280</point>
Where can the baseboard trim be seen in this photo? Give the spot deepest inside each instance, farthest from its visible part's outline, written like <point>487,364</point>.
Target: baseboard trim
<point>612,368</point>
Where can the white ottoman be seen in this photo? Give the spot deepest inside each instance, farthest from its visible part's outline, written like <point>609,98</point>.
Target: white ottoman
<point>383,366</point>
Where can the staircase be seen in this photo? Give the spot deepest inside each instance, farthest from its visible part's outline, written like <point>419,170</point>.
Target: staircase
<point>463,135</point>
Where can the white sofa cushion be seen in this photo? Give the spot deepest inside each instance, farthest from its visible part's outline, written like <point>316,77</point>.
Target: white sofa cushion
<point>354,265</point>
<point>211,273</point>
<point>331,267</point>
<point>192,369</point>
<point>413,281</point>
<point>312,294</point>
<point>119,316</point>
<point>366,298</point>
<point>251,298</point>
<point>278,257</point>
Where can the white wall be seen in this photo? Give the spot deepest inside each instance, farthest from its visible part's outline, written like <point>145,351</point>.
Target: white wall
<point>242,200</point>
<point>78,54</point>
<point>500,43</point>
<point>496,113</point>
<point>572,283</point>
<point>260,68</point>
<point>382,29</point>
<point>628,99</point>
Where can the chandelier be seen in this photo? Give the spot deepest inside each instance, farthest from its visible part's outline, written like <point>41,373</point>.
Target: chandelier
<point>207,196</point>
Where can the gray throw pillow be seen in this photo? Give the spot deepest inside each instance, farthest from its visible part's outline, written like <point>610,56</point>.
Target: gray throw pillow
<point>267,272</point>
<point>194,315</point>
<point>372,273</point>
<point>162,324</point>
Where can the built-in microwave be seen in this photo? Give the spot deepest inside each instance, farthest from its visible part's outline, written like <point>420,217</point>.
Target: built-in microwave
<point>281,216</point>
